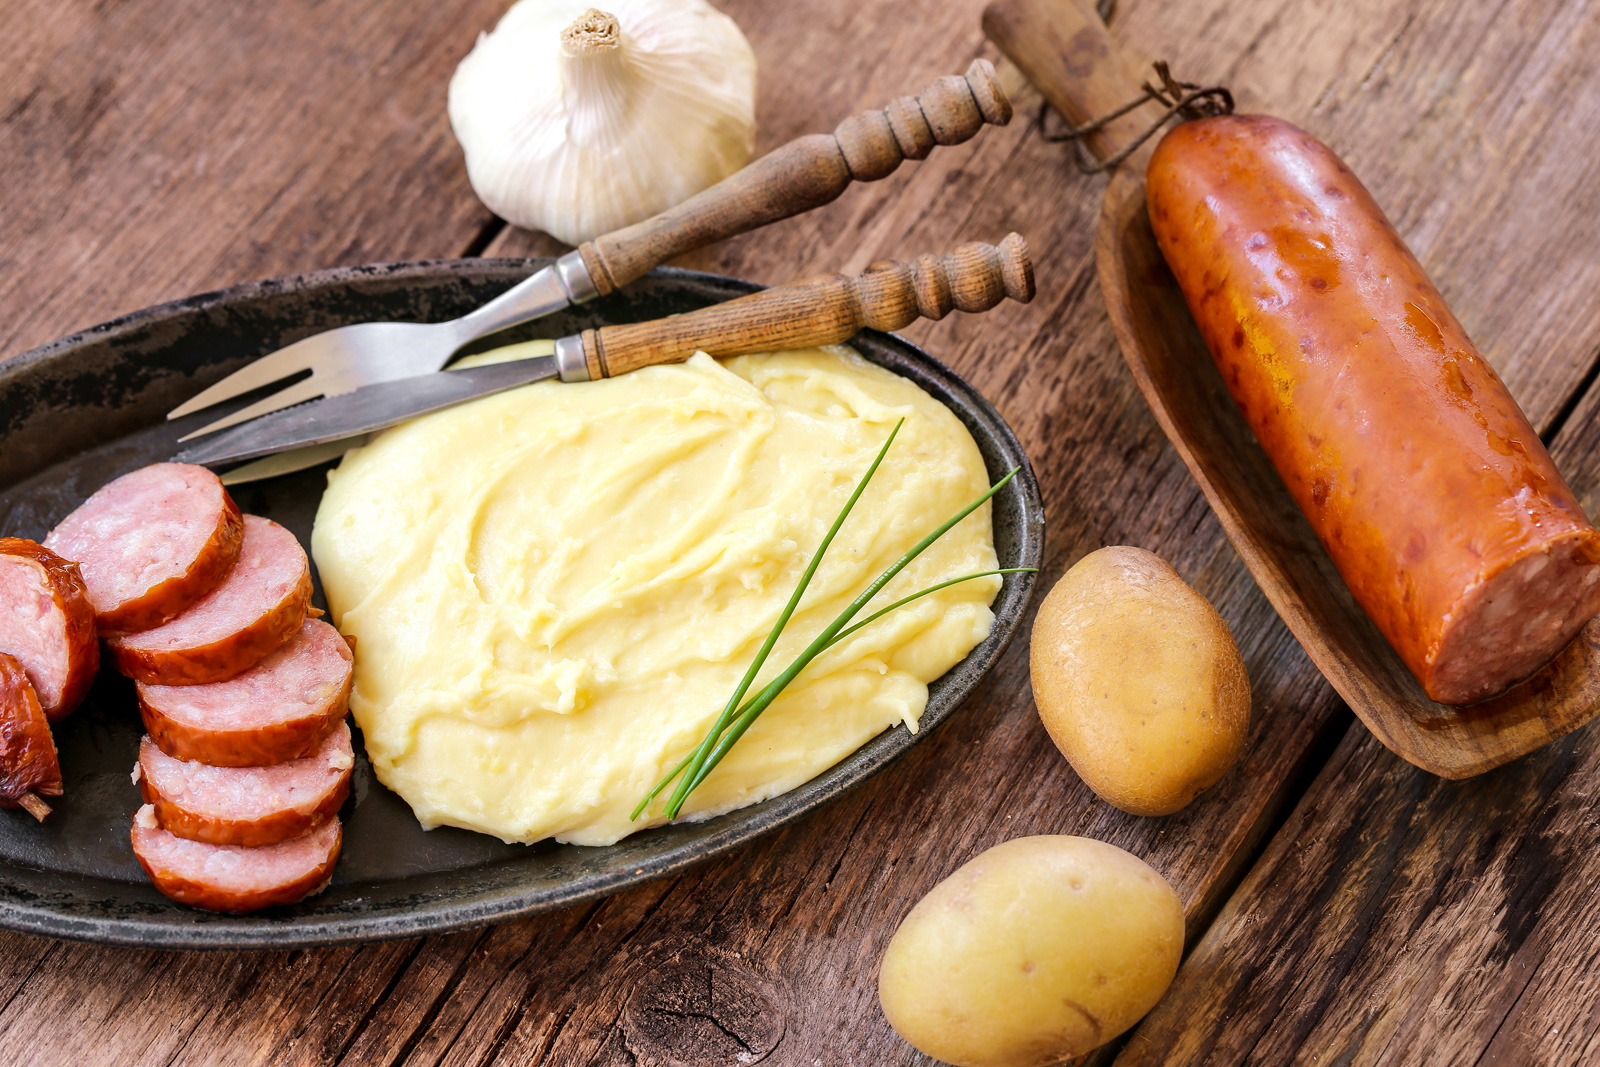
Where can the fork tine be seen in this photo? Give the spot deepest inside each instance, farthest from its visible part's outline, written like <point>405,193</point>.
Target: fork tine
<point>269,368</point>
<point>297,393</point>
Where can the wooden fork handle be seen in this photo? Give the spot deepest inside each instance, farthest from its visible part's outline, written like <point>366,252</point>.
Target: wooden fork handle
<point>821,310</point>
<point>803,174</point>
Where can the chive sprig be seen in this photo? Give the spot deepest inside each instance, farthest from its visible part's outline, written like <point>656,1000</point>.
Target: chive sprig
<point>737,717</point>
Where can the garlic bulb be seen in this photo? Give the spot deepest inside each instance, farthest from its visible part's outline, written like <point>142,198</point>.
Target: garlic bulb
<point>579,122</point>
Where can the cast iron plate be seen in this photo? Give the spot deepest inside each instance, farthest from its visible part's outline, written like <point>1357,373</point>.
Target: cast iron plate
<point>76,413</point>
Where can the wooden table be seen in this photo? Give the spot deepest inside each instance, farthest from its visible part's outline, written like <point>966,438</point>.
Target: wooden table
<point>1343,907</point>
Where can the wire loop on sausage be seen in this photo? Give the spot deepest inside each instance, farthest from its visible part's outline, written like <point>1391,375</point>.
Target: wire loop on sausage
<point>1182,100</point>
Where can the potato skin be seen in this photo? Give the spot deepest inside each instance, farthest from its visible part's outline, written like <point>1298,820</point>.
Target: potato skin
<point>1138,681</point>
<point>1035,951</point>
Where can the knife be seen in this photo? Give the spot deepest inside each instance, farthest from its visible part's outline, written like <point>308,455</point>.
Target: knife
<point>825,309</point>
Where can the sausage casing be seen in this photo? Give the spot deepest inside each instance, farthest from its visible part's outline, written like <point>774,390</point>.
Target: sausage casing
<point>28,761</point>
<point>1424,481</point>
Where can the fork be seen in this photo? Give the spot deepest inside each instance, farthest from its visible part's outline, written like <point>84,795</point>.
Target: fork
<point>805,173</point>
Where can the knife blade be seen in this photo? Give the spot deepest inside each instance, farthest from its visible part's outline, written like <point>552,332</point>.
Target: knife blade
<point>295,459</point>
<point>372,407</point>
<point>298,459</point>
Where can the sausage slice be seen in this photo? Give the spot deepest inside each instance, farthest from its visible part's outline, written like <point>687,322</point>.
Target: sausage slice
<point>28,762</point>
<point>258,606</point>
<point>278,710</point>
<point>247,805</point>
<point>235,878</point>
<point>1423,479</point>
<point>151,543</point>
<point>47,623</point>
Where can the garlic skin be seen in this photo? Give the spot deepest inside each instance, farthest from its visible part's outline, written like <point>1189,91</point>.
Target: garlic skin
<point>579,122</point>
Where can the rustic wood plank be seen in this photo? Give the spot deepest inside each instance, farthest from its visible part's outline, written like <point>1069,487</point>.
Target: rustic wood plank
<point>396,1015</point>
<point>793,926</point>
<point>54,1019</point>
<point>154,150</point>
<point>302,1008</point>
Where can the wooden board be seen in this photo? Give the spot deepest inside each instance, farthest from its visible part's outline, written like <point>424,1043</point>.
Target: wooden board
<point>770,954</point>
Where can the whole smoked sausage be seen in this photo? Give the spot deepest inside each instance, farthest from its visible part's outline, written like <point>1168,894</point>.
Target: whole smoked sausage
<point>1423,479</point>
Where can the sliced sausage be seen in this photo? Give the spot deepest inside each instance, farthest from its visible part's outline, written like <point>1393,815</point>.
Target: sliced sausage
<point>47,623</point>
<point>151,543</point>
<point>258,606</point>
<point>278,710</point>
<point>28,762</point>
<point>1421,476</point>
<point>235,878</point>
<point>247,805</point>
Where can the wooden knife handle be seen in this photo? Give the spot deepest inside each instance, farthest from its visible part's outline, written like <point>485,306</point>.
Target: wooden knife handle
<point>821,310</point>
<point>1062,47</point>
<point>805,173</point>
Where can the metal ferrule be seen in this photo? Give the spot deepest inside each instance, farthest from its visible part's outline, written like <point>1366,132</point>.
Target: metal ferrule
<point>575,278</point>
<point>569,359</point>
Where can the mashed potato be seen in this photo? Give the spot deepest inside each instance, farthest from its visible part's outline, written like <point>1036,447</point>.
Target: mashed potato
<point>555,590</point>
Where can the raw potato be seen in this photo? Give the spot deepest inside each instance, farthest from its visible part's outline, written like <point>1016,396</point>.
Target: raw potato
<point>1036,951</point>
<point>1138,681</point>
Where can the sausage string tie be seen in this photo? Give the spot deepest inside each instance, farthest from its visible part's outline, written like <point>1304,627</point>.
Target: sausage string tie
<point>1184,100</point>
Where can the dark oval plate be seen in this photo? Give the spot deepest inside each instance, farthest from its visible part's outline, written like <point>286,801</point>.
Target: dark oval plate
<point>76,413</point>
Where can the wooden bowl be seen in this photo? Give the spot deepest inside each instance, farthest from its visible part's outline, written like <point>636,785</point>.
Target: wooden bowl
<point>1065,51</point>
<point>1175,373</point>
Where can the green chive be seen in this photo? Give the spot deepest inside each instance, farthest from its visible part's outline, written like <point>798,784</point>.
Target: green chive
<point>919,594</point>
<point>702,751</point>
<point>659,786</point>
<point>721,738</point>
<point>840,636</point>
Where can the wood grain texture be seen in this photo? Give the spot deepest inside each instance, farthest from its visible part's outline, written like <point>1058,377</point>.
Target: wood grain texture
<point>1067,54</point>
<point>158,150</point>
<point>798,921</point>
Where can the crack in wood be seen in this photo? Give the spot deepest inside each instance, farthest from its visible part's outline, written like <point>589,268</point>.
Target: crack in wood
<point>380,1000</point>
<point>38,963</point>
<point>739,1008</point>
